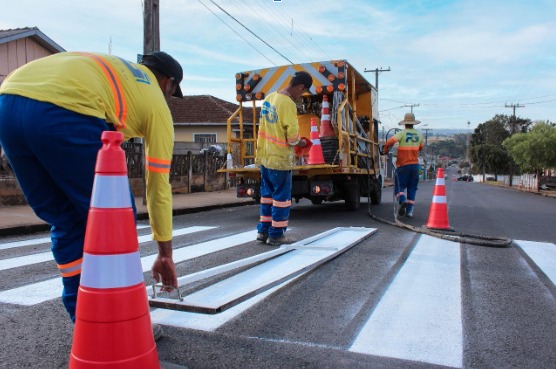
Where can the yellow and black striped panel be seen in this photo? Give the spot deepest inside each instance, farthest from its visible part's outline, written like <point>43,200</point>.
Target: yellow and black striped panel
<point>328,76</point>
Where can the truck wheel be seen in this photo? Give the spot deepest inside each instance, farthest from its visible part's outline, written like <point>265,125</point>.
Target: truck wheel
<point>376,190</point>
<point>316,200</point>
<point>352,196</point>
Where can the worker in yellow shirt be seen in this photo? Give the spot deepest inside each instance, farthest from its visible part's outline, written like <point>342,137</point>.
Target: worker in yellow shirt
<point>52,113</point>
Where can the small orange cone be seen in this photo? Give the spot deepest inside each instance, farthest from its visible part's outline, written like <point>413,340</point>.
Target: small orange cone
<point>326,129</point>
<point>438,215</point>
<point>315,153</point>
<point>112,321</point>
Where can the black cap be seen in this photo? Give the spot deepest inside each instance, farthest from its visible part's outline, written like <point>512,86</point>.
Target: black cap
<point>302,78</point>
<point>165,64</point>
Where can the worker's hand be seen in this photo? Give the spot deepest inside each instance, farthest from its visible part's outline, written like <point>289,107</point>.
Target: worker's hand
<point>302,147</point>
<point>163,269</point>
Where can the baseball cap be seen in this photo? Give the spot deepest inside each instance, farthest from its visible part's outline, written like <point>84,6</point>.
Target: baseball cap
<point>166,65</point>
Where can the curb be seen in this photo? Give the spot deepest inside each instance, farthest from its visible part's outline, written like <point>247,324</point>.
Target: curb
<point>36,228</point>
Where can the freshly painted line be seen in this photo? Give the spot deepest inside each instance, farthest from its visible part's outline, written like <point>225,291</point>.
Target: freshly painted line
<point>39,241</point>
<point>47,256</point>
<point>205,322</point>
<point>543,254</point>
<point>50,289</point>
<point>231,291</point>
<point>419,317</point>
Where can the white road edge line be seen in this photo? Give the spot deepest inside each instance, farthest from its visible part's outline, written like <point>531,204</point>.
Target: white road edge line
<point>543,254</point>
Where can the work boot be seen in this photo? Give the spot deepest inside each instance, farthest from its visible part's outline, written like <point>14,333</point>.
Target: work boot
<point>401,210</point>
<point>283,240</point>
<point>157,331</point>
<point>409,211</point>
<point>262,237</point>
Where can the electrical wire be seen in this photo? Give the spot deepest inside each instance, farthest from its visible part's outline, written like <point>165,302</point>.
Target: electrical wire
<point>253,33</point>
<point>234,31</point>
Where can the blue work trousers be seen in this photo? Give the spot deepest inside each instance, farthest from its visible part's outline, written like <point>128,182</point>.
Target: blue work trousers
<point>53,153</point>
<point>406,179</point>
<point>276,193</point>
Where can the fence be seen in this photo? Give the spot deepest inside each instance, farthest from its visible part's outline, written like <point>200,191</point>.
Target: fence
<point>189,172</point>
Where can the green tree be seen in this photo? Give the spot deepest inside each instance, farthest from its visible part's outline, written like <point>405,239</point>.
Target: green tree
<point>486,150</point>
<point>534,151</point>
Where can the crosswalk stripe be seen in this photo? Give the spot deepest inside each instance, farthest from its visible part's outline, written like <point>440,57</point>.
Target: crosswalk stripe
<point>47,256</point>
<point>36,293</point>
<point>39,241</point>
<point>543,255</point>
<point>419,317</point>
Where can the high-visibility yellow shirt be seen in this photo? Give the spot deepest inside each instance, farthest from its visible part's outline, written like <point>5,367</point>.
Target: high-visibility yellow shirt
<point>410,142</point>
<point>124,94</point>
<point>278,132</point>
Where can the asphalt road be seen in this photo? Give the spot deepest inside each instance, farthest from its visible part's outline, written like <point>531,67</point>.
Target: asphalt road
<point>397,299</point>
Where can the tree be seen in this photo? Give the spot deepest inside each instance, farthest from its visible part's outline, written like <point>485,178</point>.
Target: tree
<point>534,151</point>
<point>487,152</point>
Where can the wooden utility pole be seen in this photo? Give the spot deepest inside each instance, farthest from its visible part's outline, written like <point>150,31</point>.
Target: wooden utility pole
<point>151,42</point>
<point>411,106</point>
<point>376,71</point>
<point>151,27</point>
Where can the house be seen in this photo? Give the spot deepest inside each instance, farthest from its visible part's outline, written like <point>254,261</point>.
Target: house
<point>202,121</point>
<point>22,45</point>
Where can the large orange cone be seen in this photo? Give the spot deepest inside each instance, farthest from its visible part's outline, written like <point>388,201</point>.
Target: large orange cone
<point>112,325</point>
<point>438,215</point>
<point>315,153</point>
<point>326,129</point>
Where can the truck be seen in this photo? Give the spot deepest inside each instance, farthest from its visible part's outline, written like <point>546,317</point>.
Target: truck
<point>344,106</point>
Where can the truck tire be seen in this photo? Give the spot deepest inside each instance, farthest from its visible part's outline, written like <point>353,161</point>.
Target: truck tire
<point>316,200</point>
<point>352,196</point>
<point>376,190</point>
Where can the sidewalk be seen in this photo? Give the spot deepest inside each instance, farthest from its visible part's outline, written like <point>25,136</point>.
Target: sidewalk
<point>16,220</point>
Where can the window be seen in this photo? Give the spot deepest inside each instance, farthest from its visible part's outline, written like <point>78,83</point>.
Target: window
<point>204,139</point>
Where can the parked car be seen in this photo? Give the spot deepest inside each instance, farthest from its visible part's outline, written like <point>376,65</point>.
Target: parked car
<point>466,178</point>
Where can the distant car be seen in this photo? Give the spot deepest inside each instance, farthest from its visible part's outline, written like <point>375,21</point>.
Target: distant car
<point>466,178</point>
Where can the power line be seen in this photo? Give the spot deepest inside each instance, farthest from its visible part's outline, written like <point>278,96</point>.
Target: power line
<point>253,33</point>
<point>234,31</point>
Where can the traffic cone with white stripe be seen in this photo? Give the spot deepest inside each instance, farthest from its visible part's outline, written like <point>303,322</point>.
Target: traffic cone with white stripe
<point>438,215</point>
<point>112,325</point>
<point>326,129</point>
<point>315,152</point>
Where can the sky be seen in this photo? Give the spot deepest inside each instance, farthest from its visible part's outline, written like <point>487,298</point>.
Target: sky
<point>455,63</point>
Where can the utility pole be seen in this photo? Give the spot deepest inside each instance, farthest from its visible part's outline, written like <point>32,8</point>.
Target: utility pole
<point>411,106</point>
<point>512,131</point>
<point>151,42</point>
<point>426,160</point>
<point>151,27</point>
<point>468,137</point>
<point>376,71</point>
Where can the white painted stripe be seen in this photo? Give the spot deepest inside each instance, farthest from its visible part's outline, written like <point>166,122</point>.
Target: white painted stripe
<point>39,241</point>
<point>543,254</point>
<point>111,271</point>
<point>50,289</point>
<point>419,317</point>
<point>439,199</point>
<point>206,322</point>
<point>111,192</point>
<point>47,256</point>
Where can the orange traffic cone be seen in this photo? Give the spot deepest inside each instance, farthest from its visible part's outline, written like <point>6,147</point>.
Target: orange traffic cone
<point>326,129</point>
<point>315,152</point>
<point>438,215</point>
<point>112,325</point>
